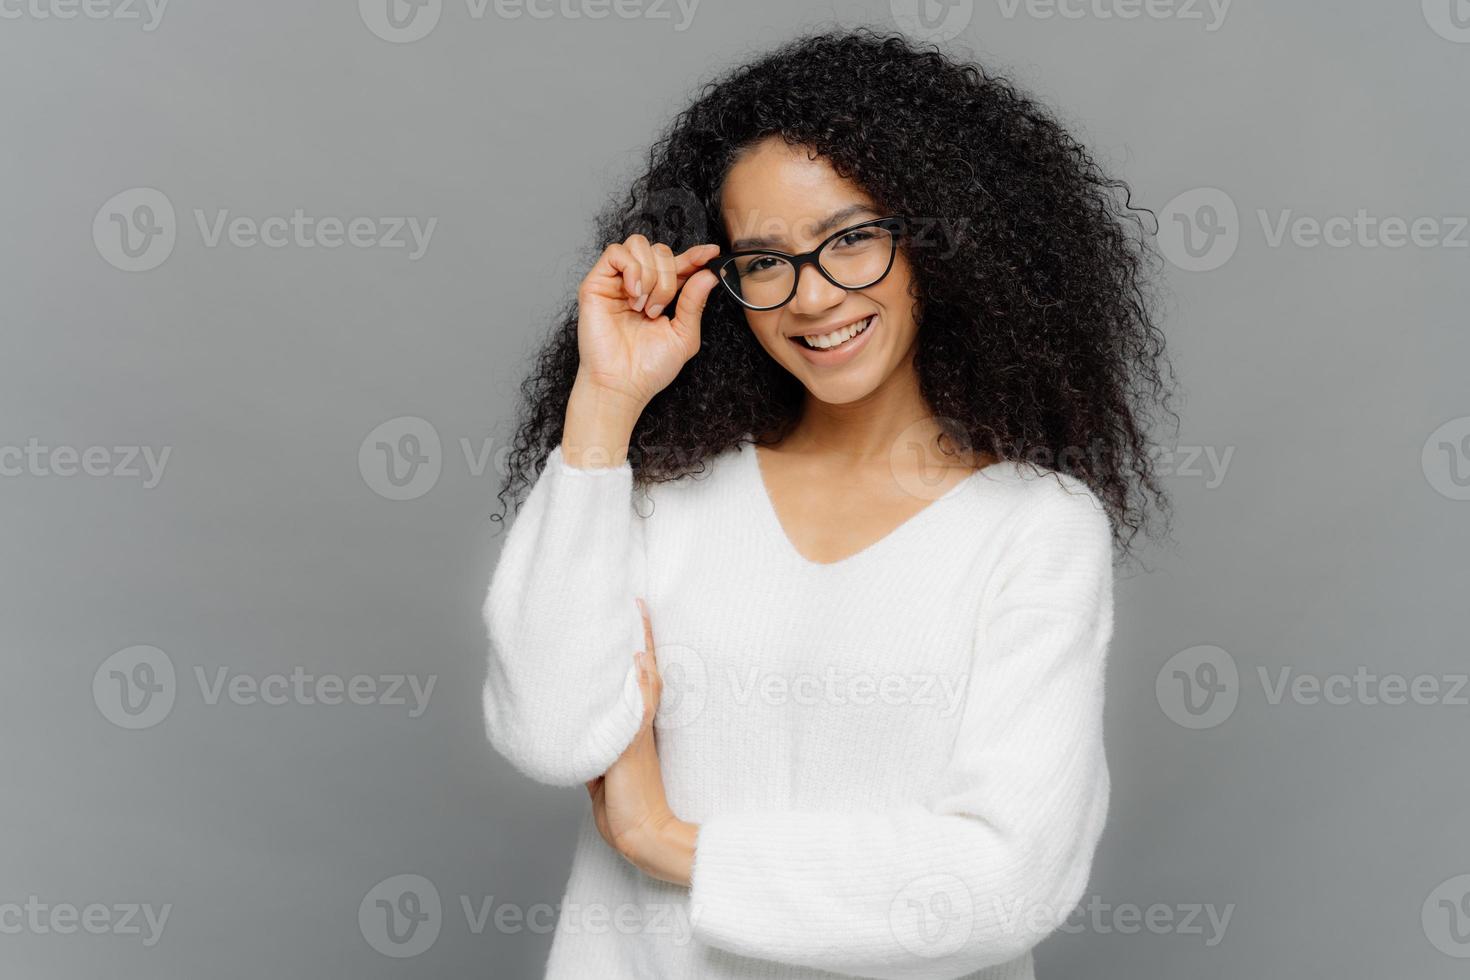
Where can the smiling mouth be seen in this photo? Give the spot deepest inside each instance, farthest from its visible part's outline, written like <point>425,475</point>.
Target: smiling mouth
<point>837,338</point>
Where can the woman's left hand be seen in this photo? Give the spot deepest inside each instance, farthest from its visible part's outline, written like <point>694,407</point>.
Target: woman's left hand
<point>628,801</point>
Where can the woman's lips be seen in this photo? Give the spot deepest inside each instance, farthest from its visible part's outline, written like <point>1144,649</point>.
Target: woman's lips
<point>841,354</point>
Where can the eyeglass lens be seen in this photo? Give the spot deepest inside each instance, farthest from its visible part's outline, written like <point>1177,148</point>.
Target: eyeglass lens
<point>856,259</point>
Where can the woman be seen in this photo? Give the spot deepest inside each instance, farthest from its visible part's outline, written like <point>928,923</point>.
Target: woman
<point>876,331</point>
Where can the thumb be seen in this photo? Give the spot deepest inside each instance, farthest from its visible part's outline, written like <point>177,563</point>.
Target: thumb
<point>692,300</point>
<point>691,259</point>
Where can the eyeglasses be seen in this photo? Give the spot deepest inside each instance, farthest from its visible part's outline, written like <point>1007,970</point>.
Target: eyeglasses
<point>853,258</point>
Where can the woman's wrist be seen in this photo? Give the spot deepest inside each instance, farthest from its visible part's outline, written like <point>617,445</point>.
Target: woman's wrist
<point>599,425</point>
<point>665,850</point>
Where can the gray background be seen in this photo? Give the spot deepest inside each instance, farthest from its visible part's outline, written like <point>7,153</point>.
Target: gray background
<point>1334,539</point>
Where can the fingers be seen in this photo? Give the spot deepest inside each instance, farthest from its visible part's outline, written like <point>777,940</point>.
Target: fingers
<point>645,274</point>
<point>620,264</point>
<point>650,688</point>
<point>647,625</point>
<point>645,253</point>
<point>667,280</point>
<point>649,661</point>
<point>645,689</point>
<point>690,309</point>
<point>693,259</point>
<point>669,270</point>
<point>688,263</point>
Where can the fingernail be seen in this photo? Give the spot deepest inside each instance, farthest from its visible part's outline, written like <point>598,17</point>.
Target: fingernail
<point>653,310</point>
<point>638,303</point>
<point>637,287</point>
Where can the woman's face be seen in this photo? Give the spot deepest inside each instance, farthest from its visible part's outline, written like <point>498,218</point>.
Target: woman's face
<point>778,197</point>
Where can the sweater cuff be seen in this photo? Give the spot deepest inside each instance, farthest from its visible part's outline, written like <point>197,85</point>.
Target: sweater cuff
<point>726,884</point>
<point>715,912</point>
<point>556,459</point>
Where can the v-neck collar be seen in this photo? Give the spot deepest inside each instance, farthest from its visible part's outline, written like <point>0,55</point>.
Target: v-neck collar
<point>769,516</point>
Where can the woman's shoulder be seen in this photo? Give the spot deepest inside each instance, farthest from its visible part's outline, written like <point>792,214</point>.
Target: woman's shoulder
<point>699,484</point>
<point>1037,497</point>
<point>1051,538</point>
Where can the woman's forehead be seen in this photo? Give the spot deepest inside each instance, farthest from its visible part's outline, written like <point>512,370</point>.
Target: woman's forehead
<point>778,195</point>
<point>754,230</point>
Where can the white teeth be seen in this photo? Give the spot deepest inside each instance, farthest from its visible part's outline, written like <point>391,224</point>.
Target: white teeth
<point>826,340</point>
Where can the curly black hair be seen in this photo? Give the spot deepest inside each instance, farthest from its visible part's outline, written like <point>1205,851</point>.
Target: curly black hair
<point>1036,338</point>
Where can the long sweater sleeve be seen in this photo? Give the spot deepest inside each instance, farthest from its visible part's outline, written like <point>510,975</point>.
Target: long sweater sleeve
<point>998,853</point>
<point>561,700</point>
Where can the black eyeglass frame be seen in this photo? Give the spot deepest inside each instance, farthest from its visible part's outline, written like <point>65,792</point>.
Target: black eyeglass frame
<point>893,223</point>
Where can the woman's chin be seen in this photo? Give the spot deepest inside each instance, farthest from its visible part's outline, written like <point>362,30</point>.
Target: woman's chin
<point>848,387</point>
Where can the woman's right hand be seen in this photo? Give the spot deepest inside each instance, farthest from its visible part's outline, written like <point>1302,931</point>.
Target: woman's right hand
<point>627,342</point>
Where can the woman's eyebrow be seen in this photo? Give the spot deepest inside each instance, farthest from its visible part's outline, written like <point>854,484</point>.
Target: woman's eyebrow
<point>829,223</point>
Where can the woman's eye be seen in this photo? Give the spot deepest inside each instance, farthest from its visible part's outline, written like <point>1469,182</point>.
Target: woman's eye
<point>855,238</point>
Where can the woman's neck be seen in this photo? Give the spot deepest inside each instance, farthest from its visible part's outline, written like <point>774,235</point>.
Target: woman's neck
<point>892,419</point>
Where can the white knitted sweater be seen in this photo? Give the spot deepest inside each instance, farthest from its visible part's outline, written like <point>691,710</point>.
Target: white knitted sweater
<point>896,760</point>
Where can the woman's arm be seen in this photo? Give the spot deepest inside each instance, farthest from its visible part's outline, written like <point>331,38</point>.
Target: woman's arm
<point>599,425</point>
<point>560,610</point>
<point>998,853</point>
<point>629,805</point>
<point>561,697</point>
